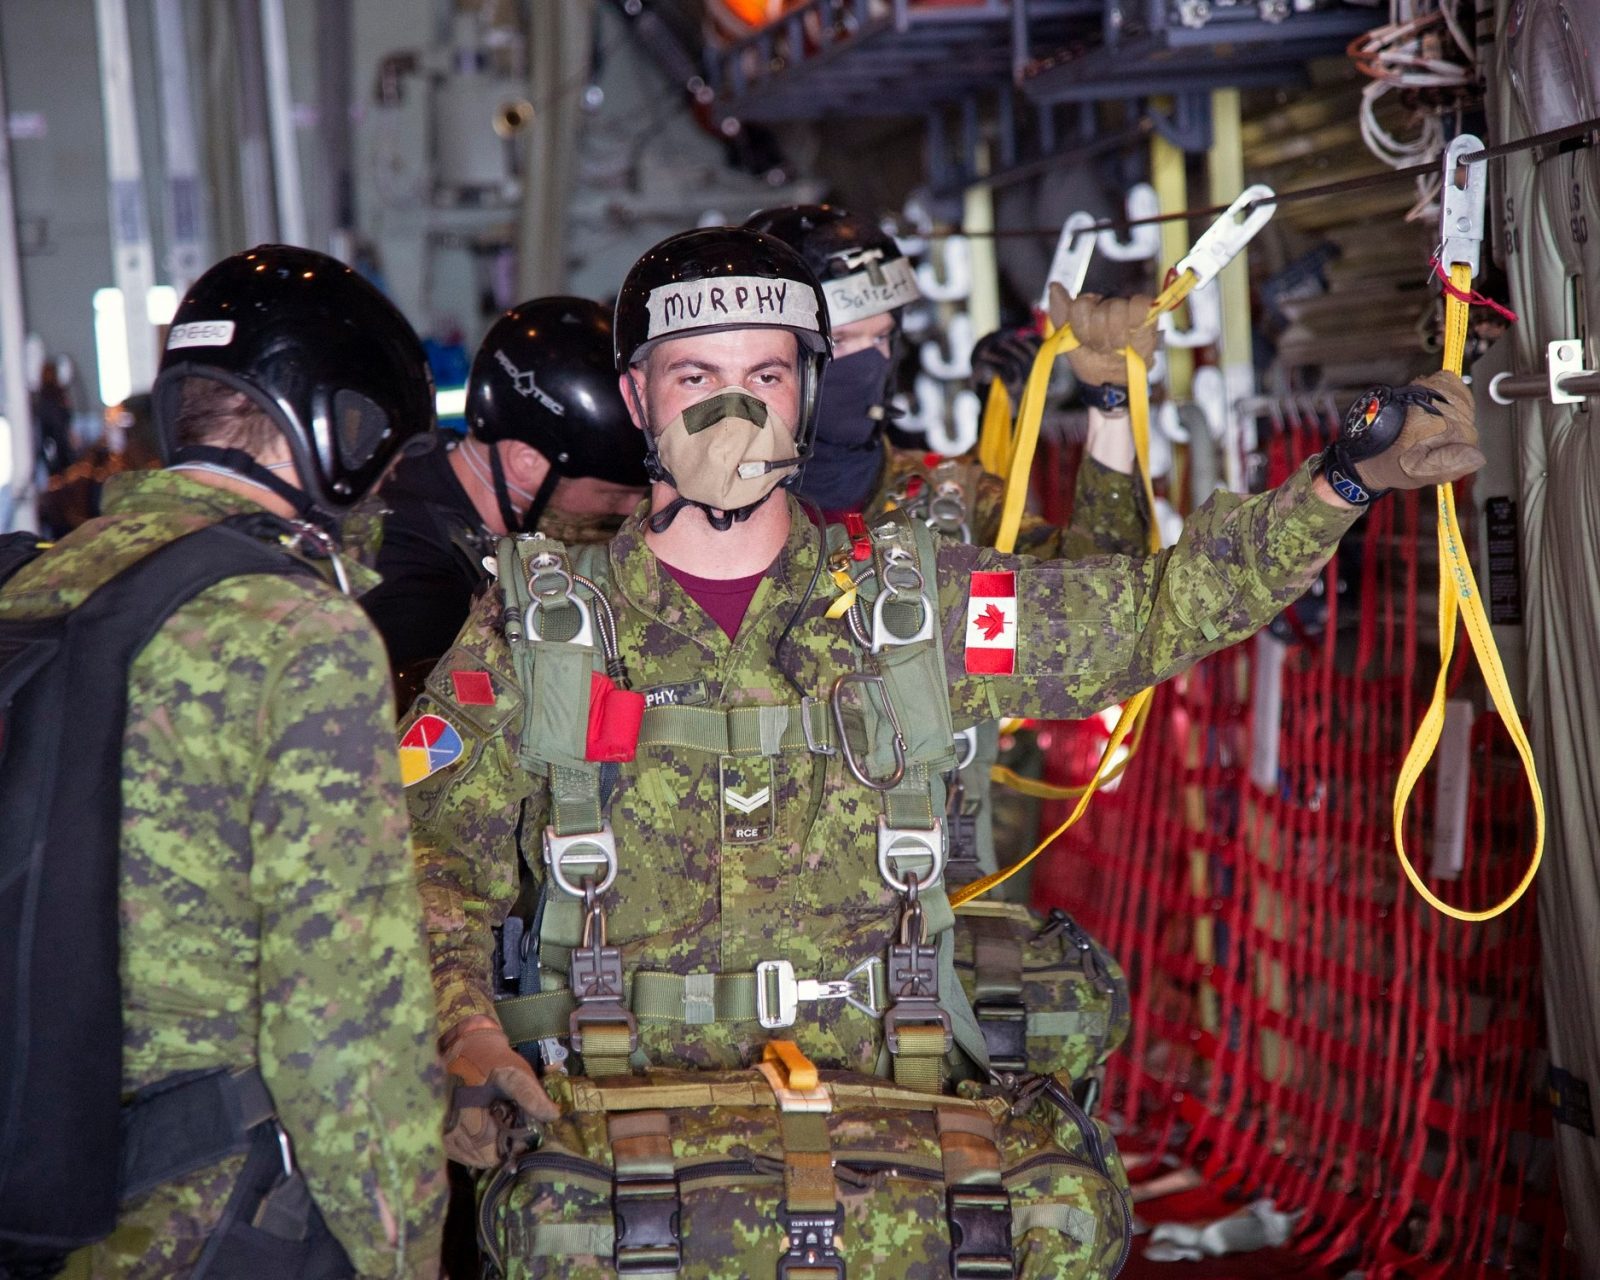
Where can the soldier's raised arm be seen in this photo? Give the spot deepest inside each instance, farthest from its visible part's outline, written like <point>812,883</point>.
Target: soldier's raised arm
<point>1064,639</point>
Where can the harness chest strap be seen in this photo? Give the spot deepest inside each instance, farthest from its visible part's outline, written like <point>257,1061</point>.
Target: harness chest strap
<point>769,996</point>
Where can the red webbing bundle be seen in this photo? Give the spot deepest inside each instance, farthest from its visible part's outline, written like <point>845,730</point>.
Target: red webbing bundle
<point>1304,1026</point>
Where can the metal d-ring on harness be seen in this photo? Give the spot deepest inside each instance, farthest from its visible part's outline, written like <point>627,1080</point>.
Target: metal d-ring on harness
<point>580,851</point>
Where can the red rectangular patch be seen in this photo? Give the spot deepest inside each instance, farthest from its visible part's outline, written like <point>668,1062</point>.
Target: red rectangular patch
<point>473,688</point>
<point>991,640</point>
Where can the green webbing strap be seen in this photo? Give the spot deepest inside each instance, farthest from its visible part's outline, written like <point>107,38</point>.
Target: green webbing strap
<point>555,674</point>
<point>607,1048</point>
<point>645,1205</point>
<point>976,1200</point>
<point>920,1063</point>
<point>997,959</point>
<point>915,686</point>
<point>808,1185</point>
<point>739,731</point>
<point>697,999</point>
<point>997,991</point>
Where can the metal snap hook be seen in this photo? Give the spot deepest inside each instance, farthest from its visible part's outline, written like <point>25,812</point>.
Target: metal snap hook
<point>836,701</point>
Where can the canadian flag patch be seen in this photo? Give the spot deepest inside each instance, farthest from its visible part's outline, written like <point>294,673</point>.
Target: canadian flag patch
<point>992,624</point>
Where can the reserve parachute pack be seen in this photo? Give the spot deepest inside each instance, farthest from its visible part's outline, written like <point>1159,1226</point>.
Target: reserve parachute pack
<point>68,1146</point>
<point>789,1170</point>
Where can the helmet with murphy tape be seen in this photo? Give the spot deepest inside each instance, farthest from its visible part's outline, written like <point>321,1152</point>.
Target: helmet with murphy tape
<point>862,270</point>
<point>712,280</point>
<point>325,356</point>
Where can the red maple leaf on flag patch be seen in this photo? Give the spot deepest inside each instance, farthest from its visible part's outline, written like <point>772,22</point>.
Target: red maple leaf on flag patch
<point>991,622</point>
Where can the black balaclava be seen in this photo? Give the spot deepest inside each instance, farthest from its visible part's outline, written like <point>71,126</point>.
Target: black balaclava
<point>846,459</point>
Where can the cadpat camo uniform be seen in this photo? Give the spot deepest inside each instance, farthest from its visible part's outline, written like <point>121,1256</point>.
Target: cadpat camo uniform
<point>731,860</point>
<point>269,909</point>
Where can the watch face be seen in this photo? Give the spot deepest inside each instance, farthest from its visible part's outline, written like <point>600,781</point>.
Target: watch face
<point>1361,417</point>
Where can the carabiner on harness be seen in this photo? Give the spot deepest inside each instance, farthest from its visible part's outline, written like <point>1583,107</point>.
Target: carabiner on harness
<point>836,701</point>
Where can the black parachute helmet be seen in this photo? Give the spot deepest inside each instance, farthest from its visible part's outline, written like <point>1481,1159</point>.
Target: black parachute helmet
<point>862,270</point>
<point>326,356</point>
<point>544,376</point>
<point>718,278</point>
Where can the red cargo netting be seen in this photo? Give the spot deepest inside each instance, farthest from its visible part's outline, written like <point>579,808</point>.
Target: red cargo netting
<point>1304,1026</point>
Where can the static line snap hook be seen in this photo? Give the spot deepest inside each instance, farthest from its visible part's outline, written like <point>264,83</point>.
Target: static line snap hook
<point>898,744</point>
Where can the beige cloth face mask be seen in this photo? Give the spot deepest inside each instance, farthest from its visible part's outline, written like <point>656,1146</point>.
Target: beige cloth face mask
<point>727,451</point>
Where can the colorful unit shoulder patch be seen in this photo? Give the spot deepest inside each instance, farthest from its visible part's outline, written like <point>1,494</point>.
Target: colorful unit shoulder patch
<point>429,745</point>
<point>992,624</point>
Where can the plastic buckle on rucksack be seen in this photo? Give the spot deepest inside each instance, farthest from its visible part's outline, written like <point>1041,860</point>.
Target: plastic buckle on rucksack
<point>647,1213</point>
<point>980,1233</point>
<point>1004,1024</point>
<point>811,1248</point>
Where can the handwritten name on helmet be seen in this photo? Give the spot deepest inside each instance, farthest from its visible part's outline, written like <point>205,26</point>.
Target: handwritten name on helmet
<point>731,300</point>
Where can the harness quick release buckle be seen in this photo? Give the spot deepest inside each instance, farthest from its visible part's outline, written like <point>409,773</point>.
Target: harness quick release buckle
<point>779,993</point>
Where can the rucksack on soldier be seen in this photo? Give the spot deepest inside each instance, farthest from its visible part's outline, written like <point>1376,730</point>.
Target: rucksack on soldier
<point>63,704</point>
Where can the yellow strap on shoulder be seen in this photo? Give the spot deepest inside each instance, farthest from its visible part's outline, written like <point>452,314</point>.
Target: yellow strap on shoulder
<point>1136,711</point>
<point>995,432</point>
<point>1458,593</point>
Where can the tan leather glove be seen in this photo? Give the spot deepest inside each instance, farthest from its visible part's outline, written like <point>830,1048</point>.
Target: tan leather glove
<point>1104,327</point>
<point>488,1076</point>
<point>1405,438</point>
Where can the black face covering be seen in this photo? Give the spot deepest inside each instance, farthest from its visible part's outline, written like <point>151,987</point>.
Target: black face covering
<point>845,459</point>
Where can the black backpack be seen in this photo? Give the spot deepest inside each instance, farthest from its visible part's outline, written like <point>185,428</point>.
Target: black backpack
<point>63,705</point>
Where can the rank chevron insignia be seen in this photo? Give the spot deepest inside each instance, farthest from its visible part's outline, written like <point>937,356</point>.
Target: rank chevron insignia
<point>746,804</point>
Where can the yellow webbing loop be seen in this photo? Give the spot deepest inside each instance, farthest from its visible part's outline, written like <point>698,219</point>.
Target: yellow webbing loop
<point>1458,593</point>
<point>996,431</point>
<point>1136,711</point>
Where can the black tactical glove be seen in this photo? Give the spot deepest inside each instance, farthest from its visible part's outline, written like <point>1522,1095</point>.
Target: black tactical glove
<point>1006,354</point>
<point>1404,438</point>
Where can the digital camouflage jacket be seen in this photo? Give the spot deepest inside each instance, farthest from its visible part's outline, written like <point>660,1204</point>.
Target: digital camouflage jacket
<point>1107,507</point>
<point>728,861</point>
<point>269,904</point>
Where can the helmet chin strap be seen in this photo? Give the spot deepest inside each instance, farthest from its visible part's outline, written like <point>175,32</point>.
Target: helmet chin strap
<point>494,476</point>
<point>246,467</point>
<point>721,521</point>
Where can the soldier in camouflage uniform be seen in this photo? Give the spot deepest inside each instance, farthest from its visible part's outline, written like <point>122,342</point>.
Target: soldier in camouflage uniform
<point>744,827</point>
<point>268,899</point>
